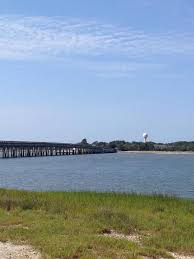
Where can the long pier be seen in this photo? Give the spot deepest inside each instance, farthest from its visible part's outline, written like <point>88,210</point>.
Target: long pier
<point>18,149</point>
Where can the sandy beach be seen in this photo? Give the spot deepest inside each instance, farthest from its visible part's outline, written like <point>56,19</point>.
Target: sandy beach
<point>160,152</point>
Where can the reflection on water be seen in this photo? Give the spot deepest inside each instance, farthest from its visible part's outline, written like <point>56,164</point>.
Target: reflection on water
<point>122,172</point>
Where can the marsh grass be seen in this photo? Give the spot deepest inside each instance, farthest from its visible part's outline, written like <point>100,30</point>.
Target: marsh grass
<point>71,225</point>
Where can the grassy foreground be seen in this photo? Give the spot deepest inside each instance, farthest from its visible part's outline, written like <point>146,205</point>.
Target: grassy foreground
<point>70,225</point>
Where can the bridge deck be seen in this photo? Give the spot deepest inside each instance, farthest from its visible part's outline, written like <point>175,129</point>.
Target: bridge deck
<point>15,149</point>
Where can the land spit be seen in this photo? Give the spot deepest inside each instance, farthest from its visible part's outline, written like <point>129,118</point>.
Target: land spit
<point>161,152</point>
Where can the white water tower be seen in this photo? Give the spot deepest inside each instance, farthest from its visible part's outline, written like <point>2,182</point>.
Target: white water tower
<point>145,136</point>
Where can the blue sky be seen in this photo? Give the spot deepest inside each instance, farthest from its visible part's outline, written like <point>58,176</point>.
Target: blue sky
<point>98,69</point>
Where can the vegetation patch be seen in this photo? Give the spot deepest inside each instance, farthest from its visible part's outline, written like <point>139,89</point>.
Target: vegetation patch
<point>180,146</point>
<point>77,225</point>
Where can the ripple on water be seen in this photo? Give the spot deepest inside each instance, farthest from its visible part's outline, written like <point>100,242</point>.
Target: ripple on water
<point>122,172</point>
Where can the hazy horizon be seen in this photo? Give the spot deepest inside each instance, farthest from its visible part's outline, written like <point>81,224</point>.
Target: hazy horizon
<point>102,71</point>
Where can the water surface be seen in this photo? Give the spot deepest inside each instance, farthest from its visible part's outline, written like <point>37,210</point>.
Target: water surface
<point>122,172</point>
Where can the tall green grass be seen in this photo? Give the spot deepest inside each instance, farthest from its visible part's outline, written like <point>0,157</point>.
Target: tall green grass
<point>70,225</point>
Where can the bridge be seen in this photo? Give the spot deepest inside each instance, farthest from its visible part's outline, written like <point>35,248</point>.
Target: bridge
<point>16,149</point>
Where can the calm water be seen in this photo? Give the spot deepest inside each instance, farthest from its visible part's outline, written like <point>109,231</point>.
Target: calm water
<point>145,173</point>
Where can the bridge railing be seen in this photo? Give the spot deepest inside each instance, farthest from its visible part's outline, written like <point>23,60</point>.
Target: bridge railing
<point>15,149</point>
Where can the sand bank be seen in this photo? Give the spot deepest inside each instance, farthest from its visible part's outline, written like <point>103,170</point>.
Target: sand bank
<point>160,152</point>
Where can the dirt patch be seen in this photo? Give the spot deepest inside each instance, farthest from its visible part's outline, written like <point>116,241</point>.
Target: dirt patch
<point>12,251</point>
<point>179,256</point>
<point>114,234</point>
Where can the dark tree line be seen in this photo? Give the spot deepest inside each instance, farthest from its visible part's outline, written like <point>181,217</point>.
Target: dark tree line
<point>150,146</point>
<point>140,146</point>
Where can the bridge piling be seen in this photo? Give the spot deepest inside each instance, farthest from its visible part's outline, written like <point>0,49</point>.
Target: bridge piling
<point>17,149</point>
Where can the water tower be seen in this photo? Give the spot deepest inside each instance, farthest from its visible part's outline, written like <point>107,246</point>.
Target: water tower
<point>145,136</point>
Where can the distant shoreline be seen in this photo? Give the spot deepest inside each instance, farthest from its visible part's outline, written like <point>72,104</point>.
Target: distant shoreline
<point>161,152</point>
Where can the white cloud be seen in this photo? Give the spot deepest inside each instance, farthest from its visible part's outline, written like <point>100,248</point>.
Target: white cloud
<point>117,68</point>
<point>35,37</point>
<point>27,38</point>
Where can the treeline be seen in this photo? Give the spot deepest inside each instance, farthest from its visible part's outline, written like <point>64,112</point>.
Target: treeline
<point>150,146</point>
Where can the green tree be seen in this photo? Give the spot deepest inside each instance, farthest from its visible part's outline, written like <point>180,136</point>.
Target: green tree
<point>84,142</point>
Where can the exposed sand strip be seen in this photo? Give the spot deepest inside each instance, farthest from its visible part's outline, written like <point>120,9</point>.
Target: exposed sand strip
<point>114,234</point>
<point>160,152</point>
<point>11,251</point>
<point>178,256</point>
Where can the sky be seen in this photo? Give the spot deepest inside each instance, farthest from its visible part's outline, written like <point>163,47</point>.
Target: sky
<point>103,70</point>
